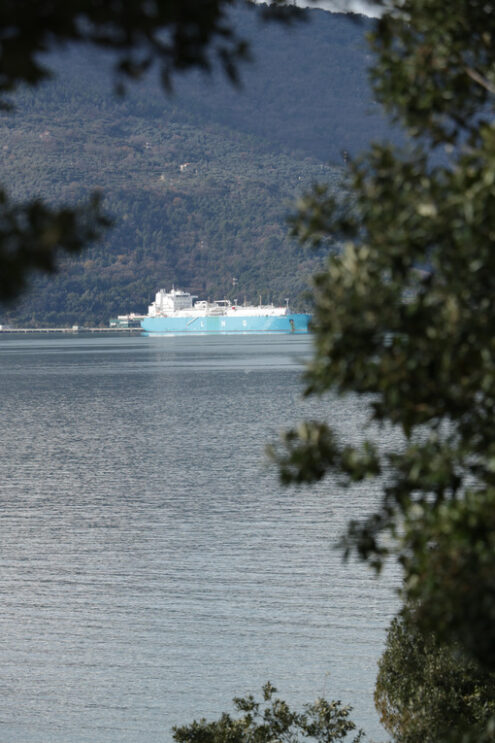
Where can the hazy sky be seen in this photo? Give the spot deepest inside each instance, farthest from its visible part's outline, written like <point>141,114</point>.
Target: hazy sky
<point>357,6</point>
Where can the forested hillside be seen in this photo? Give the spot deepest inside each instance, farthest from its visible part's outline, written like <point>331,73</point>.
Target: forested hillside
<point>199,184</point>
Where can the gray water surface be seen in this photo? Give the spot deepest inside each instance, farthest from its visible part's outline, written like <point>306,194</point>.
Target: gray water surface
<point>151,566</point>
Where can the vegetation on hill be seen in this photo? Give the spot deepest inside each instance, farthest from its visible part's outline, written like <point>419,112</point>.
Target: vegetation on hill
<point>175,37</point>
<point>189,206</point>
<point>198,185</point>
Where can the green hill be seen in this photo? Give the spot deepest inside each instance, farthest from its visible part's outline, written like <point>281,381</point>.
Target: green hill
<point>199,184</point>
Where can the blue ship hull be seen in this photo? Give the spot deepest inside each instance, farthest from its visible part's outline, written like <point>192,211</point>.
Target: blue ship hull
<point>227,324</point>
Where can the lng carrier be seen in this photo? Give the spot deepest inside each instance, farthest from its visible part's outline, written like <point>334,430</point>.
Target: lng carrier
<point>176,312</point>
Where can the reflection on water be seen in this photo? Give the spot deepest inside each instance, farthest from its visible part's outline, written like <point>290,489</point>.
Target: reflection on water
<point>152,568</point>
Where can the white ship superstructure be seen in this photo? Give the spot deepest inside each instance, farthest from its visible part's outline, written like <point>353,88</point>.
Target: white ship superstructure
<point>178,303</point>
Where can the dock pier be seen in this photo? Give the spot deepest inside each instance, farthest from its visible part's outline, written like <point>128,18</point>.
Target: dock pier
<point>74,331</point>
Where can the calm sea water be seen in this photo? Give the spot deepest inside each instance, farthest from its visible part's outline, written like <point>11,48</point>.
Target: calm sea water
<point>151,566</point>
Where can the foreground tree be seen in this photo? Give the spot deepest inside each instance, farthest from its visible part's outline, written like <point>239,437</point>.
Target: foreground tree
<point>427,692</point>
<point>405,317</point>
<point>325,722</point>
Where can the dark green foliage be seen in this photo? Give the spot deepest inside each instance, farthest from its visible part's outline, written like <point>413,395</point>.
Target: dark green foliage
<point>274,721</point>
<point>434,68</point>
<point>31,235</point>
<point>405,316</point>
<point>450,564</point>
<point>429,693</point>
